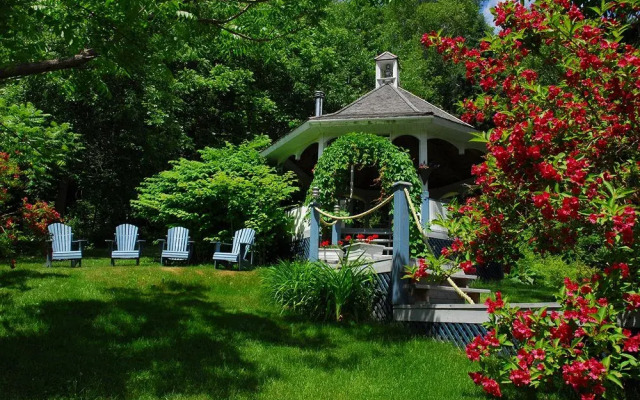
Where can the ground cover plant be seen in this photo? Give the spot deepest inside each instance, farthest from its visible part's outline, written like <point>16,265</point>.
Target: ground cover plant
<point>561,95</point>
<point>151,332</point>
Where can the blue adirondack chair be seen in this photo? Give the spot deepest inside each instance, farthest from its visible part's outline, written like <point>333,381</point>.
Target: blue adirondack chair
<point>240,248</point>
<point>126,241</point>
<point>61,245</point>
<point>177,246</point>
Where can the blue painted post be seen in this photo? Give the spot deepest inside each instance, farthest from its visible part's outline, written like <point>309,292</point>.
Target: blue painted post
<point>424,207</point>
<point>335,229</point>
<point>314,239</point>
<point>400,243</point>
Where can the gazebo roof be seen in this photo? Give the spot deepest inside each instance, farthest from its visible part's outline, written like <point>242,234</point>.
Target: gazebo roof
<point>388,101</point>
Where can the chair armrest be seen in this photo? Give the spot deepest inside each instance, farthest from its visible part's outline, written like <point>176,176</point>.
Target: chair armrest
<point>220,244</point>
<point>111,242</point>
<point>79,242</point>
<point>140,242</point>
<point>163,243</point>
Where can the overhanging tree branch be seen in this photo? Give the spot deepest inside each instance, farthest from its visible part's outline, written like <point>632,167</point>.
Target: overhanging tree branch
<point>56,64</point>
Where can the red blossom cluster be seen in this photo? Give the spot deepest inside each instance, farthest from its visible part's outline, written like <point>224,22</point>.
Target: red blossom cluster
<point>560,176</point>
<point>494,305</point>
<point>19,220</point>
<point>489,385</point>
<point>585,377</point>
<point>481,346</point>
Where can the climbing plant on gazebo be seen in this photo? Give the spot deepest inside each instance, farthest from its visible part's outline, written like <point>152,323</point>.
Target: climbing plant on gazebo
<point>363,149</point>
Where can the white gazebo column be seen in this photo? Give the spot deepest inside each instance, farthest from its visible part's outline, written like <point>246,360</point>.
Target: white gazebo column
<point>424,206</point>
<point>321,146</point>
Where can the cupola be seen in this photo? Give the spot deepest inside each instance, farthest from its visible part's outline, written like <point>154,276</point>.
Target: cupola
<point>386,69</point>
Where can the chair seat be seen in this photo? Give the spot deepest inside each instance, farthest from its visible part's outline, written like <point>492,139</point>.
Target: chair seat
<point>175,255</point>
<point>226,256</point>
<point>125,254</point>
<point>67,255</point>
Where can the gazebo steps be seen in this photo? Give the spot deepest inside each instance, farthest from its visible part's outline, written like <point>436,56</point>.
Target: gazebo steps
<point>454,313</point>
<point>441,294</point>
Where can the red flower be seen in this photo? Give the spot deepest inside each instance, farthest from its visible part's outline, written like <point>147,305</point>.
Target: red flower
<point>325,243</point>
<point>468,268</point>
<point>520,377</point>
<point>632,344</point>
<point>492,306</point>
<point>491,387</point>
<point>633,300</point>
<point>347,238</point>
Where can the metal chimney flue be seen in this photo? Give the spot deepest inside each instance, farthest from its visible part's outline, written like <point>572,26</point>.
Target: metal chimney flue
<point>319,97</point>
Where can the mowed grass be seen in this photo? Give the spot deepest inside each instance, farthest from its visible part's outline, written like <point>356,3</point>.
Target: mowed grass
<point>151,332</point>
<point>516,292</point>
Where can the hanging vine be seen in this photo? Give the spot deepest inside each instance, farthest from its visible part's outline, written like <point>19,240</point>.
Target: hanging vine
<point>364,149</point>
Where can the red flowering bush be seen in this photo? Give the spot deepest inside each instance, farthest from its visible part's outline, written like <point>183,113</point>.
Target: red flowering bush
<point>581,347</point>
<point>19,221</point>
<point>562,94</point>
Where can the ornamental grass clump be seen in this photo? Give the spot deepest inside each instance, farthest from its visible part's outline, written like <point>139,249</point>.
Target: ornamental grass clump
<point>322,292</point>
<point>560,98</point>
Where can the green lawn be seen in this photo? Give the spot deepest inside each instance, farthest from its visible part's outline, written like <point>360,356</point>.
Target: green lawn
<point>519,292</point>
<point>151,332</point>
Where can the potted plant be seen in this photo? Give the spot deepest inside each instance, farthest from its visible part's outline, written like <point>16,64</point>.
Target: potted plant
<point>365,244</point>
<point>330,253</point>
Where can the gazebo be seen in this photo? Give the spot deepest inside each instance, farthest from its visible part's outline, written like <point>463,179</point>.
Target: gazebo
<point>438,142</point>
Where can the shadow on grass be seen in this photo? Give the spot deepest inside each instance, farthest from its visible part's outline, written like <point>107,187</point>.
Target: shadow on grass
<point>17,279</point>
<point>163,341</point>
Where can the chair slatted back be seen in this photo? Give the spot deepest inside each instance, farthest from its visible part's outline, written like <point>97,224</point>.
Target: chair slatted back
<point>61,237</point>
<point>177,239</point>
<point>243,236</point>
<point>126,237</point>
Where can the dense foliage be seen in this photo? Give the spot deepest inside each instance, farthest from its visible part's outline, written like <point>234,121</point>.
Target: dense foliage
<point>230,188</point>
<point>20,218</point>
<point>331,173</point>
<point>158,80</point>
<point>322,292</point>
<point>35,153</point>
<point>561,176</point>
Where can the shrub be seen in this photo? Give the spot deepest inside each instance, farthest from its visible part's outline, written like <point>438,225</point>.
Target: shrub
<point>560,91</point>
<point>549,270</point>
<point>228,189</point>
<point>321,292</point>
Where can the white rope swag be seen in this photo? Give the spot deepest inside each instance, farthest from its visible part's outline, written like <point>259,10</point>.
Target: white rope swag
<point>424,238</point>
<point>363,214</point>
<point>337,218</point>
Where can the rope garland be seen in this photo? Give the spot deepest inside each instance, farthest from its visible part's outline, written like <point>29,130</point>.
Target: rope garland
<point>363,214</point>
<point>425,239</point>
<point>325,223</point>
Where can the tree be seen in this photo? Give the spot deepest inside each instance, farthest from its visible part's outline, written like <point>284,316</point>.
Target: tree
<point>561,176</point>
<point>77,33</point>
<point>230,188</point>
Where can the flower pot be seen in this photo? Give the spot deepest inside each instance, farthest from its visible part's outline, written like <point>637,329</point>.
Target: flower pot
<point>330,255</point>
<point>369,249</point>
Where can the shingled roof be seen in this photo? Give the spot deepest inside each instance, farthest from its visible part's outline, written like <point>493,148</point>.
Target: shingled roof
<point>388,101</point>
